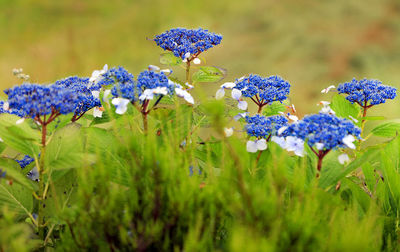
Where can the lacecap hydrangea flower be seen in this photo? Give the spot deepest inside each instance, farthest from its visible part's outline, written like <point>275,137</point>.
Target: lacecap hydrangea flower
<point>5,108</point>
<point>185,43</point>
<point>25,161</point>
<point>366,92</point>
<point>324,132</point>
<point>263,128</point>
<point>33,100</point>
<point>150,83</point>
<point>86,99</point>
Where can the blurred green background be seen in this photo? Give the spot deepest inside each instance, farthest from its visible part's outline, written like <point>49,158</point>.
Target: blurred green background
<point>312,44</point>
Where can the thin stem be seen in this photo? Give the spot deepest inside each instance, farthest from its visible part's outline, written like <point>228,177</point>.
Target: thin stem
<point>41,181</point>
<point>188,72</point>
<point>260,107</point>
<point>321,154</point>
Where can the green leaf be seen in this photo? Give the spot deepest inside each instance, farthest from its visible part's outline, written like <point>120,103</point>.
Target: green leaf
<point>373,118</point>
<point>389,129</point>
<point>208,74</point>
<point>20,137</point>
<point>170,59</point>
<point>16,198</point>
<point>105,118</point>
<point>274,108</point>
<point>344,108</point>
<point>14,172</point>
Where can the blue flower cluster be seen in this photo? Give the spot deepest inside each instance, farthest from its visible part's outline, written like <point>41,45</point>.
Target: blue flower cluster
<point>115,76</point>
<point>367,92</point>
<point>10,111</point>
<point>149,80</point>
<point>326,129</point>
<point>33,100</point>
<point>262,127</point>
<point>86,100</point>
<point>24,162</point>
<point>181,41</point>
<point>269,89</point>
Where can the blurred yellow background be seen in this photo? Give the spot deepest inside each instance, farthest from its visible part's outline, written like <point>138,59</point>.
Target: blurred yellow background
<point>310,43</point>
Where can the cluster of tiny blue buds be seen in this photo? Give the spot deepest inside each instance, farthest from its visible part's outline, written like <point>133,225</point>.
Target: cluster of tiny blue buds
<point>367,92</point>
<point>269,89</point>
<point>24,162</point>
<point>181,41</point>
<point>33,100</point>
<point>326,129</point>
<point>115,76</point>
<point>86,100</point>
<point>150,80</point>
<point>263,127</point>
<point>10,111</point>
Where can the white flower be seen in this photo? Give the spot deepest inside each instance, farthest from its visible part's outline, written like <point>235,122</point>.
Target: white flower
<point>166,71</point>
<point>6,106</point>
<point>196,61</point>
<point>96,94</point>
<point>323,103</point>
<point>254,146</point>
<point>348,141</point>
<point>293,118</point>
<point>228,85</point>
<point>121,105</point>
<point>160,90</point>
<point>20,121</point>
<point>327,110</point>
<point>107,95</point>
<point>281,130</point>
<point>153,68</point>
<point>1,140</point>
<point>96,75</point>
<point>280,141</point>
<point>296,145</point>
<point>343,158</point>
<point>147,95</point>
<point>97,112</point>
<point>236,94</point>
<point>319,146</point>
<point>228,132</point>
<point>242,105</point>
<point>220,94</point>
<point>240,115</point>
<point>326,90</point>
<point>187,55</point>
<point>185,95</point>
<point>189,86</point>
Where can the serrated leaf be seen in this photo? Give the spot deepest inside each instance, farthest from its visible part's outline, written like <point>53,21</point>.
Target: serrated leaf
<point>389,129</point>
<point>16,198</point>
<point>170,59</point>
<point>14,172</point>
<point>344,108</point>
<point>208,74</point>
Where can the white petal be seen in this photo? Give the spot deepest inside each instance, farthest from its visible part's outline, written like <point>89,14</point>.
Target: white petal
<point>106,96</point>
<point>343,158</point>
<point>324,103</point>
<point>196,61</point>
<point>261,144</point>
<point>105,68</point>
<point>236,94</point>
<point>319,146</point>
<point>353,119</point>
<point>187,55</point>
<point>280,141</point>
<point>189,98</point>
<point>282,129</point>
<point>228,132</point>
<point>220,94</point>
<point>241,78</point>
<point>160,90</point>
<point>97,112</point>
<point>240,115</point>
<point>293,118</point>
<point>327,110</point>
<point>153,68</point>
<point>1,140</point>
<point>348,141</point>
<point>6,106</point>
<point>251,146</point>
<point>147,94</point>
<point>166,71</point>
<point>299,152</point>
<point>326,90</point>
<point>121,105</point>
<point>96,94</point>
<point>242,105</point>
<point>228,85</point>
<point>189,86</point>
<point>20,121</point>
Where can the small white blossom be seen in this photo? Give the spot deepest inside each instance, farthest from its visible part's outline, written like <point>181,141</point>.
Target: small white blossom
<point>166,71</point>
<point>185,95</point>
<point>160,90</point>
<point>153,68</point>
<point>236,94</point>
<point>242,105</point>
<point>343,158</point>
<point>20,121</point>
<point>147,95</point>
<point>280,141</point>
<point>254,146</point>
<point>320,146</point>
<point>240,115</point>
<point>348,141</point>
<point>187,55</point>
<point>281,130</point>
<point>296,145</point>
<point>97,75</point>
<point>228,132</point>
<point>121,105</point>
<point>293,118</point>
<point>107,95</point>
<point>96,94</point>
<point>228,85</point>
<point>196,61</point>
<point>97,112</point>
<point>6,106</point>
<point>220,94</point>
